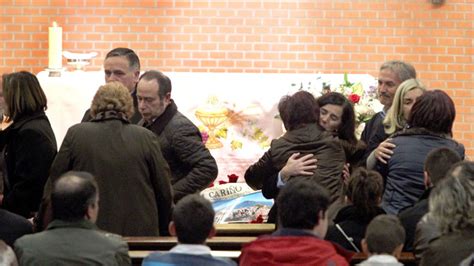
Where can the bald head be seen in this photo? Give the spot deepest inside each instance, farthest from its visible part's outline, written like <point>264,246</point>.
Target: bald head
<point>73,194</point>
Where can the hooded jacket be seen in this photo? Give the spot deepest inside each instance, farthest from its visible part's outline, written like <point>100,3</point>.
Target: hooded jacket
<point>293,247</point>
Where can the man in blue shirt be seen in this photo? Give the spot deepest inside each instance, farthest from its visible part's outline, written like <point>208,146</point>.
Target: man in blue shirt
<point>192,223</point>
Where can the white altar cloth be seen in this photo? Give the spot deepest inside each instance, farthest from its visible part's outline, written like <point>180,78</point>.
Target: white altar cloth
<point>253,96</point>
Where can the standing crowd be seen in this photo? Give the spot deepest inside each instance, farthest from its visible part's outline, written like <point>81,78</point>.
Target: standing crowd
<point>404,186</point>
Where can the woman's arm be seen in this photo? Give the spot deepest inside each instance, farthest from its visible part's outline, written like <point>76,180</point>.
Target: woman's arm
<point>382,153</point>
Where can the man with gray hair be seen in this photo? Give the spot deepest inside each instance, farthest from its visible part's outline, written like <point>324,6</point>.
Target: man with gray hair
<point>452,210</point>
<point>72,237</point>
<point>391,74</point>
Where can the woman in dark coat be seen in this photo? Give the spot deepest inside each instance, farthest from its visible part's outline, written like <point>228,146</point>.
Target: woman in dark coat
<point>133,177</point>
<point>27,141</point>
<point>304,136</point>
<point>431,121</point>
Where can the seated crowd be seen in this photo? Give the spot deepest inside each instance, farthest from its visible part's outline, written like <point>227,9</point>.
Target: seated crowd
<point>404,186</point>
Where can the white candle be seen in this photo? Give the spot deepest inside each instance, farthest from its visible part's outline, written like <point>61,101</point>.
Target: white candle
<point>55,47</point>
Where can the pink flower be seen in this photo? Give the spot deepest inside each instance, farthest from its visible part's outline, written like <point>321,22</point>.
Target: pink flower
<point>233,178</point>
<point>354,98</point>
<point>204,136</point>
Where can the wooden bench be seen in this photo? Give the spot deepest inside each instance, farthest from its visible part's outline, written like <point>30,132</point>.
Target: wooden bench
<point>167,242</point>
<point>137,256</point>
<point>222,246</point>
<point>407,258</point>
<point>244,229</point>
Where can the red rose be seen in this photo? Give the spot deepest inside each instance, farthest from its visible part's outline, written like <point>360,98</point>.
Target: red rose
<point>233,178</point>
<point>354,98</point>
<point>258,220</point>
<point>222,182</point>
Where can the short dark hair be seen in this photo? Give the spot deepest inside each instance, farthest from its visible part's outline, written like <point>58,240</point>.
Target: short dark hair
<point>132,57</point>
<point>193,217</point>
<point>72,194</point>
<point>163,81</point>
<point>402,69</point>
<point>299,203</point>
<point>298,109</point>
<point>365,189</point>
<point>434,111</point>
<point>23,94</point>
<point>438,162</point>
<point>346,130</point>
<point>384,234</point>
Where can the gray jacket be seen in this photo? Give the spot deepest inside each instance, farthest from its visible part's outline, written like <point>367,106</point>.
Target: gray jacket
<point>72,243</point>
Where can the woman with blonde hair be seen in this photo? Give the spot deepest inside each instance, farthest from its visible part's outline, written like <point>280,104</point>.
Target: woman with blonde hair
<point>405,97</point>
<point>396,118</point>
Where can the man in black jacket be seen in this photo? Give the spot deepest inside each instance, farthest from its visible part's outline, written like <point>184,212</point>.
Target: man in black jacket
<point>192,166</point>
<point>122,65</point>
<point>391,74</point>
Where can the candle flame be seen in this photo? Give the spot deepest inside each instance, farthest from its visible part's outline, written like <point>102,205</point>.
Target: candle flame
<point>55,24</point>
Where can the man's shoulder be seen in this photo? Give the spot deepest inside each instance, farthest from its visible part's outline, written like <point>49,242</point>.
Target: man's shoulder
<point>112,239</point>
<point>420,207</point>
<point>284,240</point>
<point>308,248</point>
<point>97,236</point>
<point>374,124</point>
<point>180,120</point>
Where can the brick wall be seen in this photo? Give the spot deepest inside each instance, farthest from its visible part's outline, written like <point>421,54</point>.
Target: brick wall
<point>331,36</point>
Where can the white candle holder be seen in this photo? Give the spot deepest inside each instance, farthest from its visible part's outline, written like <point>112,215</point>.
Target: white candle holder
<point>77,60</point>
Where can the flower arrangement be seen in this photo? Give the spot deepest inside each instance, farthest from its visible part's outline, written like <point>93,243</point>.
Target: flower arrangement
<point>364,100</point>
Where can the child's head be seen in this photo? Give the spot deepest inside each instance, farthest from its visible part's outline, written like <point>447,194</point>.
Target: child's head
<point>384,235</point>
<point>364,191</point>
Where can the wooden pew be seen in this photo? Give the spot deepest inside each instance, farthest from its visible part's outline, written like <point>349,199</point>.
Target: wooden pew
<point>137,256</point>
<point>244,229</point>
<point>167,242</point>
<point>222,246</point>
<point>407,258</point>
